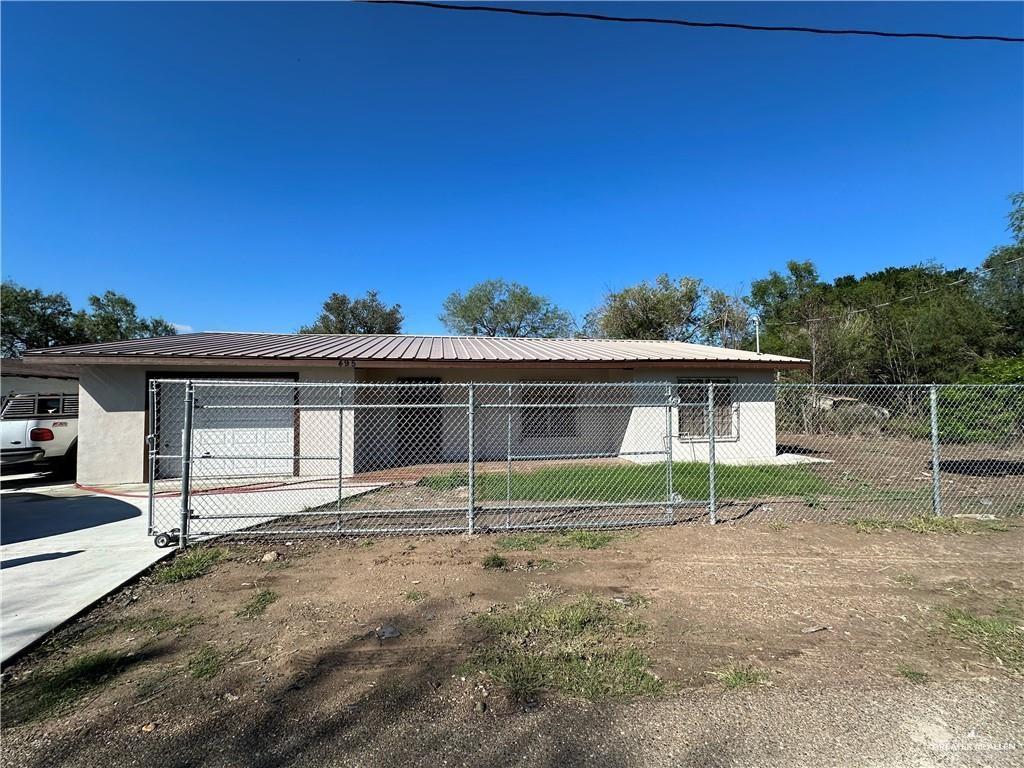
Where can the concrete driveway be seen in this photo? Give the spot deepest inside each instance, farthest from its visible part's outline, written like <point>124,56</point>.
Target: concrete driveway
<point>62,549</point>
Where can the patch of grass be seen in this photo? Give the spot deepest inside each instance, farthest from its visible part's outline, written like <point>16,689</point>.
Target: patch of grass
<point>586,539</point>
<point>543,564</point>
<point>913,675</point>
<point>993,526</point>
<point>257,604</point>
<point>576,648</point>
<point>929,524</point>
<point>870,525</point>
<point>158,624</point>
<point>778,525</point>
<point>907,580</point>
<point>495,562</point>
<point>522,542</point>
<point>932,524</point>
<point>366,543</point>
<point>206,663</point>
<point>415,595</point>
<point>737,676</point>
<point>49,692</point>
<point>191,564</point>
<point>634,628</point>
<point>1000,637</point>
<point>635,482</point>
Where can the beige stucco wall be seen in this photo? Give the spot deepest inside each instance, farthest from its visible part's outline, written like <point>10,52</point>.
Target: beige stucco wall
<point>318,429</point>
<point>112,420</point>
<point>634,433</point>
<point>753,421</point>
<point>112,424</point>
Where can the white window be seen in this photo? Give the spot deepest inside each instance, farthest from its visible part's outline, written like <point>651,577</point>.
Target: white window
<point>693,408</point>
<point>552,414</point>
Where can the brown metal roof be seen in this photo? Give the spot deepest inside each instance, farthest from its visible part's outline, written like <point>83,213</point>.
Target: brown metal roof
<point>400,348</point>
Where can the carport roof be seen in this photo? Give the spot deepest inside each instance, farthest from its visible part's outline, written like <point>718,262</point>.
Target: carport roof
<point>404,349</point>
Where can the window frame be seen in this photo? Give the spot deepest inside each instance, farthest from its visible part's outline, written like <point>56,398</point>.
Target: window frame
<point>528,412</point>
<point>733,405</point>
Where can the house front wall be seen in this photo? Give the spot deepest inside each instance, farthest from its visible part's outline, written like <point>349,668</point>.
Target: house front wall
<point>113,419</point>
<point>113,416</point>
<point>634,433</point>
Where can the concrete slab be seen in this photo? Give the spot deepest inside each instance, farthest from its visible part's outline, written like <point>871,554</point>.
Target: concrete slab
<point>62,549</point>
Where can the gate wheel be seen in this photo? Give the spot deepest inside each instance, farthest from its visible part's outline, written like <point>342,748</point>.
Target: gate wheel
<point>164,540</point>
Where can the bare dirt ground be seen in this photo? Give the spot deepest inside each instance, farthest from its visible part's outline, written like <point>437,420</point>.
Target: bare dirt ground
<point>884,680</point>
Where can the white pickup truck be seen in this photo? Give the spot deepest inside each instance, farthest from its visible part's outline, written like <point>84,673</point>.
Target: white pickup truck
<point>39,429</point>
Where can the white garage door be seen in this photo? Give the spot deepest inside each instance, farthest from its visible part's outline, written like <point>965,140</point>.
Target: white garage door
<point>230,441</point>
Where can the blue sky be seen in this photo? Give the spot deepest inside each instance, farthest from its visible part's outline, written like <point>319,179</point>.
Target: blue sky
<point>229,165</point>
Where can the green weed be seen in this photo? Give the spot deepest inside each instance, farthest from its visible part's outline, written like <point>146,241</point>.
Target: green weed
<point>576,648</point>
<point>736,676</point>
<point>495,562</point>
<point>1000,637</point>
<point>257,604</point>
<point>49,692</point>
<point>191,564</point>
<point>206,663</point>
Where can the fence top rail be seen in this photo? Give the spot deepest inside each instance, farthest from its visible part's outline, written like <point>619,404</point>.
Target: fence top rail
<point>236,383</point>
<point>408,385</point>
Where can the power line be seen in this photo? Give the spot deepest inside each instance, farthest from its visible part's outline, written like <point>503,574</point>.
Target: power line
<point>696,24</point>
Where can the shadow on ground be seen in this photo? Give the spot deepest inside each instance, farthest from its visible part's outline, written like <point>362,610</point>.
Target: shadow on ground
<point>16,561</point>
<point>982,467</point>
<point>413,714</point>
<point>28,516</point>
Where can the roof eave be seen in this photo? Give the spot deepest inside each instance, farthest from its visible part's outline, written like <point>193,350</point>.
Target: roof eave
<point>241,361</point>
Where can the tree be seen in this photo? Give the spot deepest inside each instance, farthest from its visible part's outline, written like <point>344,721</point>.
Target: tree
<point>114,317</point>
<point>340,314</point>
<point>501,308</point>
<point>729,323</point>
<point>33,319</point>
<point>1016,217</point>
<point>667,309</point>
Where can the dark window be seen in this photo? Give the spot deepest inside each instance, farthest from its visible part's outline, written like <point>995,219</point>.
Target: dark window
<point>551,414</point>
<point>48,406</point>
<point>693,407</point>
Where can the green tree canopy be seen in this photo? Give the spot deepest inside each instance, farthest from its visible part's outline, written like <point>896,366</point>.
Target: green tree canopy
<point>340,314</point>
<point>33,319</point>
<point>666,309</point>
<point>501,308</point>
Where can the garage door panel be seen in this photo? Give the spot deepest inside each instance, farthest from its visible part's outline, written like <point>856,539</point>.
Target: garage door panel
<point>230,437</point>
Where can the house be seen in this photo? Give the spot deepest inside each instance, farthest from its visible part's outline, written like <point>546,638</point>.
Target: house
<point>114,381</point>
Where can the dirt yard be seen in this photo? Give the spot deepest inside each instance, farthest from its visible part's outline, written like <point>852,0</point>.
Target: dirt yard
<point>747,645</point>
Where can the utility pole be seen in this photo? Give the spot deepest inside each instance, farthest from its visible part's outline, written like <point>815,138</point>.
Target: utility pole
<point>757,333</point>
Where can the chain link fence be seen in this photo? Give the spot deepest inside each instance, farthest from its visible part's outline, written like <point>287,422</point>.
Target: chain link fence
<point>251,459</point>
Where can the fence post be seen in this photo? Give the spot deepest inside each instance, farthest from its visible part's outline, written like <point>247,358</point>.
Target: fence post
<point>472,459</point>
<point>508,464</point>
<point>341,451</point>
<point>712,501</point>
<point>186,465</point>
<point>151,443</point>
<point>933,398</point>
<point>669,489</point>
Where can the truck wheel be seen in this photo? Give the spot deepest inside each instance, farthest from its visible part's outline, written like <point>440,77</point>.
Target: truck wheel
<point>67,466</point>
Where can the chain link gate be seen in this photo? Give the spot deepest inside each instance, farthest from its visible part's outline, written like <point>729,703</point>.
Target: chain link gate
<point>286,458</point>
